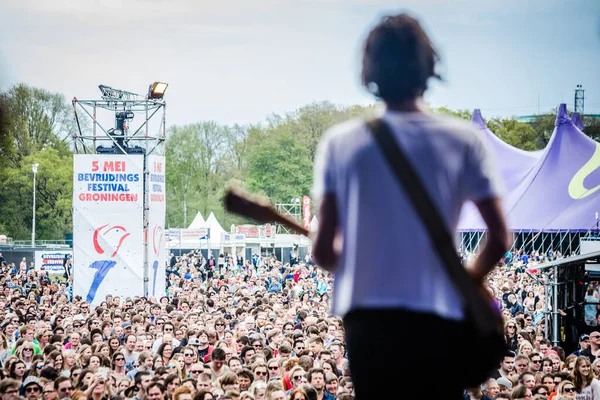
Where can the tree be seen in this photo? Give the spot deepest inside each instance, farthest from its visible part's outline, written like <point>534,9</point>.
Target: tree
<point>35,120</point>
<point>34,128</point>
<point>181,170</point>
<point>591,127</point>
<point>517,134</point>
<point>279,166</point>
<point>54,191</point>
<point>464,114</point>
<point>195,164</point>
<point>543,125</point>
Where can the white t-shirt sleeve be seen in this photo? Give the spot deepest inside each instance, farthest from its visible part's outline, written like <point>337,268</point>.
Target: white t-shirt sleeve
<point>481,174</point>
<point>323,179</point>
<point>595,385</point>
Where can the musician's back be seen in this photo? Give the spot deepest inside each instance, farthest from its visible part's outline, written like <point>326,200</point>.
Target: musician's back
<point>390,286</point>
<point>387,258</point>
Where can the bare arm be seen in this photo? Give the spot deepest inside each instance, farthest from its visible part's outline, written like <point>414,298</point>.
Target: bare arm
<point>498,240</point>
<point>324,244</point>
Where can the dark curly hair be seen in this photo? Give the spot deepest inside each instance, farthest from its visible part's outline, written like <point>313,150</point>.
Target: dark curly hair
<point>398,59</point>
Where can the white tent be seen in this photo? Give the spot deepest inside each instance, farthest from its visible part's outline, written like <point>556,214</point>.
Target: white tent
<point>216,230</point>
<point>314,224</point>
<point>198,222</point>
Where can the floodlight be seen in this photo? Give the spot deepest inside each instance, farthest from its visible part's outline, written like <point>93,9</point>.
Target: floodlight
<point>125,114</point>
<point>157,90</point>
<point>118,136</point>
<point>34,167</point>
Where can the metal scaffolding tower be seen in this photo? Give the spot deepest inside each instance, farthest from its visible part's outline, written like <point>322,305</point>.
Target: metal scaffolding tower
<point>148,138</point>
<point>293,210</point>
<point>578,103</point>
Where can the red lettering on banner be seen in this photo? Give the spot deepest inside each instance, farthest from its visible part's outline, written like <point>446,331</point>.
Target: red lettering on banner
<point>114,166</point>
<point>94,166</point>
<point>122,197</point>
<point>157,167</point>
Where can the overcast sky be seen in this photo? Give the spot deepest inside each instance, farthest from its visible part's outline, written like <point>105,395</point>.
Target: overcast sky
<point>241,60</point>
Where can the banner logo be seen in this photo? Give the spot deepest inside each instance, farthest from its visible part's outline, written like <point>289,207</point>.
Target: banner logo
<point>118,230</point>
<point>157,239</point>
<point>577,189</point>
<point>110,234</point>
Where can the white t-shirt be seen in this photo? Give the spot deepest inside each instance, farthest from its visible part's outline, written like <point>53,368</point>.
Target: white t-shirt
<point>590,392</point>
<point>387,260</point>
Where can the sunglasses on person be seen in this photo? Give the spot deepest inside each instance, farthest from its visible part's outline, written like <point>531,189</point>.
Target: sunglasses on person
<point>32,389</point>
<point>261,373</point>
<point>196,371</point>
<point>569,389</point>
<point>273,368</point>
<point>67,389</point>
<point>119,359</point>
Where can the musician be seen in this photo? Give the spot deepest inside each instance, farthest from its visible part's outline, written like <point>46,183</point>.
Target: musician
<point>362,208</point>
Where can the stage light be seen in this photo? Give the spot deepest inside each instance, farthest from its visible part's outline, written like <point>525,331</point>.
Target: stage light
<point>118,137</point>
<point>157,90</point>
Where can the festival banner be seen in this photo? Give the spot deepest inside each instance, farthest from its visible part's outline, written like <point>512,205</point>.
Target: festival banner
<point>306,212</point>
<point>157,208</point>
<point>255,231</point>
<point>108,231</point>
<point>52,261</point>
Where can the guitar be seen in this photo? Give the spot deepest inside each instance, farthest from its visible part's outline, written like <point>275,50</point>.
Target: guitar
<point>484,323</point>
<point>259,209</point>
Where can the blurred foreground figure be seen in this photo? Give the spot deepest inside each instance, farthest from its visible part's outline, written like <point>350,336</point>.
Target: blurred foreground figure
<point>391,287</point>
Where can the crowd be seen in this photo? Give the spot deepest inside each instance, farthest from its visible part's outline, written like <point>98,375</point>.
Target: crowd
<point>230,328</point>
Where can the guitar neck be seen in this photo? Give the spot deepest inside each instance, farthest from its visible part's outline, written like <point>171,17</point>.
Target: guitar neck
<point>289,223</point>
<point>260,210</point>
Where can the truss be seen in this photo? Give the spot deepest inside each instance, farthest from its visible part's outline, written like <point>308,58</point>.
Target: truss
<point>113,101</point>
<point>293,210</point>
<point>567,242</point>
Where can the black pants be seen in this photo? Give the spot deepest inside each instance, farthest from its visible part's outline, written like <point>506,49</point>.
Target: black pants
<point>392,351</point>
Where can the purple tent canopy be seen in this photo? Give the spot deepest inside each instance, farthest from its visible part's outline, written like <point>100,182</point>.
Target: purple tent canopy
<point>513,163</point>
<point>576,119</point>
<point>561,192</point>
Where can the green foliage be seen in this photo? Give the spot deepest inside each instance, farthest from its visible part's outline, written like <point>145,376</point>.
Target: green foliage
<point>35,128</point>
<point>194,169</point>
<point>274,158</point>
<point>54,189</point>
<point>544,126</point>
<point>591,127</point>
<point>35,120</point>
<point>464,114</point>
<point>515,133</point>
<point>279,166</point>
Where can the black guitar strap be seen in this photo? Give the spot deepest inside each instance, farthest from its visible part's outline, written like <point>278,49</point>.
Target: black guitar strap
<point>441,240</point>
